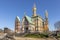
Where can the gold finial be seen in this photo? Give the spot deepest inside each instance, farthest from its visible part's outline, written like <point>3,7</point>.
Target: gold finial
<point>34,10</point>
<point>34,5</point>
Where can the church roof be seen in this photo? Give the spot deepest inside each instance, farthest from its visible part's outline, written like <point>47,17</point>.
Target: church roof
<point>29,19</point>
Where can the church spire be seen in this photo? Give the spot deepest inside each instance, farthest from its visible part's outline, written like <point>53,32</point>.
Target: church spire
<point>46,13</point>
<point>46,21</point>
<point>34,10</point>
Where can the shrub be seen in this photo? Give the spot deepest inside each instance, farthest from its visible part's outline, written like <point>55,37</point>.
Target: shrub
<point>37,35</point>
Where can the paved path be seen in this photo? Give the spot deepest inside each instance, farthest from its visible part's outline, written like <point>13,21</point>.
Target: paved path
<point>25,38</point>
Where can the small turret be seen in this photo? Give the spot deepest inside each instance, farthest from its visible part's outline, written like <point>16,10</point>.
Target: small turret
<point>17,25</point>
<point>46,22</point>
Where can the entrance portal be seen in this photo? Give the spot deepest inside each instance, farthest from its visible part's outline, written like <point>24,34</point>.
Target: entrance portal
<point>26,29</point>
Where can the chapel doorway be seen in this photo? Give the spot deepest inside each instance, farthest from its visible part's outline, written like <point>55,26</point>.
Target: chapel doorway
<point>26,30</point>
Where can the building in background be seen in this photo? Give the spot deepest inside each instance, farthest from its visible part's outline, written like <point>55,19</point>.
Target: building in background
<point>7,30</point>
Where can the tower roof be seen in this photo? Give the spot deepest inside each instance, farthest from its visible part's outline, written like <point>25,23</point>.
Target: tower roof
<point>17,18</point>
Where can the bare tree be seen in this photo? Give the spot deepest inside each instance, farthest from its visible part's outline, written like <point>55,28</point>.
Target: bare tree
<point>57,25</point>
<point>57,28</point>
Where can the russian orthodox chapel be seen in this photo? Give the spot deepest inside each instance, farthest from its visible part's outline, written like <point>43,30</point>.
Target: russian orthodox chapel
<point>32,24</point>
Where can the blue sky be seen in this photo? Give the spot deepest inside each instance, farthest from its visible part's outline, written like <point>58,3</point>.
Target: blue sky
<point>9,9</point>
